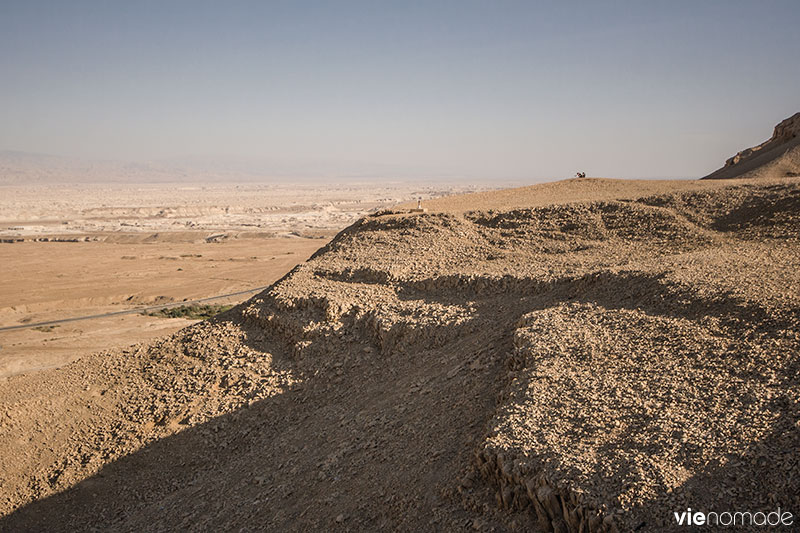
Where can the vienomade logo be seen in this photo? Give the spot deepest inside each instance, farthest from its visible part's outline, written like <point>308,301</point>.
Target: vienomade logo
<point>733,518</point>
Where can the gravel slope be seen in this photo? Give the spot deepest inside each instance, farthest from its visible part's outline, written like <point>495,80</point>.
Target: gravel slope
<point>577,366</point>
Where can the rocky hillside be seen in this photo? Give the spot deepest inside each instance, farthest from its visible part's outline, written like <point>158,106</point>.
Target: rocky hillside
<point>779,156</point>
<point>582,366</point>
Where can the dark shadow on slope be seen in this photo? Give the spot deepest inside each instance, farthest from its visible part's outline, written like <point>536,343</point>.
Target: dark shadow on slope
<point>378,442</point>
<point>769,469</point>
<point>378,439</point>
<point>770,463</point>
<point>773,216</point>
<point>652,294</point>
<point>765,477</point>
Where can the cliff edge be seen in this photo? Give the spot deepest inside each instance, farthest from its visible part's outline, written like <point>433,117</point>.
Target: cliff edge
<point>777,157</point>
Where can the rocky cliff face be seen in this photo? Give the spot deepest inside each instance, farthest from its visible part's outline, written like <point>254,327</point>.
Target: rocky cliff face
<point>787,129</point>
<point>775,157</point>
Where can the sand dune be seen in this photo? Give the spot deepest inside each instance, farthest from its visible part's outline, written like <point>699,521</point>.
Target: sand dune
<point>508,361</point>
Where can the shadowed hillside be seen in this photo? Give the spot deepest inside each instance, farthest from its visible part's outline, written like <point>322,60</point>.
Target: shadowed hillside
<point>567,366</point>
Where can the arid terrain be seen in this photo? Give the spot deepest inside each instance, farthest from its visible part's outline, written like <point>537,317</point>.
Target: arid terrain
<point>46,281</point>
<point>778,156</point>
<point>130,213</point>
<point>587,355</point>
<point>83,250</point>
<point>399,267</point>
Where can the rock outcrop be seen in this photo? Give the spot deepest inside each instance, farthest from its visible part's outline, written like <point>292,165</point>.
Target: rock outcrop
<point>779,156</point>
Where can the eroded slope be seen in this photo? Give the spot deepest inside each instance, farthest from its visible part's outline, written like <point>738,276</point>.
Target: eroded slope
<point>588,366</point>
<point>778,156</point>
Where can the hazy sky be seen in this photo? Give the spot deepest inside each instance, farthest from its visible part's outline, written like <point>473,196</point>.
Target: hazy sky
<point>487,90</point>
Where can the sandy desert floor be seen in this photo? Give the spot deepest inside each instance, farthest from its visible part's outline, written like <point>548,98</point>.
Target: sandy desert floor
<point>75,251</point>
<point>44,281</point>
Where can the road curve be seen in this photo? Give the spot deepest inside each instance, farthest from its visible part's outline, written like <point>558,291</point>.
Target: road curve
<point>132,311</point>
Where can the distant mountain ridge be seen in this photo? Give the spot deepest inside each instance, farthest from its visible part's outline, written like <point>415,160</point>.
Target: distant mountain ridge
<point>779,156</point>
<point>28,168</point>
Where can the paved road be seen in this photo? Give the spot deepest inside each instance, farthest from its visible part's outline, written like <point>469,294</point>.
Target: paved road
<point>132,311</point>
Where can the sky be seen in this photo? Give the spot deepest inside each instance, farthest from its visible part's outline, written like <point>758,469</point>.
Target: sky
<point>486,91</point>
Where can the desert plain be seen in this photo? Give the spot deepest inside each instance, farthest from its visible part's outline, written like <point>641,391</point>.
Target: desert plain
<point>89,250</point>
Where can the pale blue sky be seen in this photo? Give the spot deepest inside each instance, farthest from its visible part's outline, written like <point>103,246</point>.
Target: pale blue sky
<point>493,90</point>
